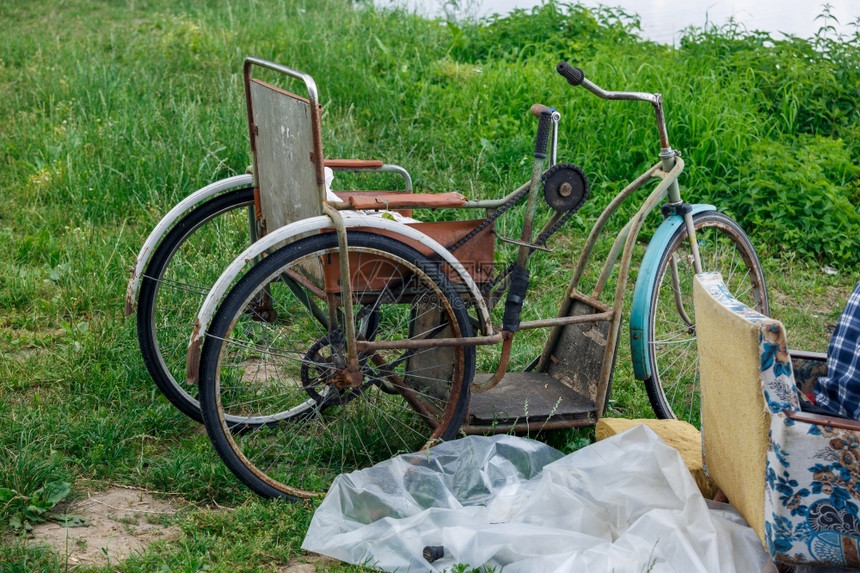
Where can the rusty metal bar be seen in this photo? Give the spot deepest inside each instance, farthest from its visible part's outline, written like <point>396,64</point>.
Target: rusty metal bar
<point>531,427</point>
<point>522,244</point>
<point>609,263</point>
<point>370,346</point>
<point>353,368</point>
<point>694,243</point>
<point>502,368</point>
<point>563,320</point>
<point>676,290</point>
<point>494,203</point>
<point>303,281</point>
<point>247,75</point>
<point>549,224</point>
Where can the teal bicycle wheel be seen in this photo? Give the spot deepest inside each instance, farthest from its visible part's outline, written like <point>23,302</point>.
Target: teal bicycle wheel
<point>673,387</point>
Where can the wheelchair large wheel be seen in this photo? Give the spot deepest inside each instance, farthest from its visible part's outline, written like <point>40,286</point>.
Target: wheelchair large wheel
<point>673,388</point>
<point>271,359</point>
<point>174,284</point>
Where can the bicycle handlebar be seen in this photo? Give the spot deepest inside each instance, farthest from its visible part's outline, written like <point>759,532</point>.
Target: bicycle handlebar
<point>576,77</point>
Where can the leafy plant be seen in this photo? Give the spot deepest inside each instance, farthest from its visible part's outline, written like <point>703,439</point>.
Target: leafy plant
<point>22,512</point>
<point>785,182</point>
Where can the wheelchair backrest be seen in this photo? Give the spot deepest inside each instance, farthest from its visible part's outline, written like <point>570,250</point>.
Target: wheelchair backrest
<point>286,143</point>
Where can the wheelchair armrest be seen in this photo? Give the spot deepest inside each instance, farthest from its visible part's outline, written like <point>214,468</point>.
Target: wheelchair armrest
<point>822,420</point>
<point>364,201</point>
<point>337,164</point>
<point>371,166</point>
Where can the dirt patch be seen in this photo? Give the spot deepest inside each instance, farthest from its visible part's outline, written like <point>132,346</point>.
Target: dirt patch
<point>307,564</point>
<point>122,521</point>
<point>259,371</point>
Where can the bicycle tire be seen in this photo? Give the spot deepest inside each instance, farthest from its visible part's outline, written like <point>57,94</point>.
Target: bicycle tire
<point>295,443</point>
<point>183,267</point>
<point>673,387</point>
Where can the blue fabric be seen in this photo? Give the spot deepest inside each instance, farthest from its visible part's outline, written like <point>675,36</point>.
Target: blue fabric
<point>839,391</point>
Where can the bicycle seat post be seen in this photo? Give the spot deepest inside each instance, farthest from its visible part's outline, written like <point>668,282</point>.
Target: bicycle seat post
<point>520,274</point>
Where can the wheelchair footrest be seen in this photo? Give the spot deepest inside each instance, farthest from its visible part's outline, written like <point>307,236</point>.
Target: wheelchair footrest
<point>527,398</point>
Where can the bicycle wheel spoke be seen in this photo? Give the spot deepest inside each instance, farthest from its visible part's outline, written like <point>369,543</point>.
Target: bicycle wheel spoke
<point>287,369</point>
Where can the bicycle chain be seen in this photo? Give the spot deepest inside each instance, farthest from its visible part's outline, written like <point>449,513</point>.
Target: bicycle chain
<point>489,220</point>
<point>541,241</point>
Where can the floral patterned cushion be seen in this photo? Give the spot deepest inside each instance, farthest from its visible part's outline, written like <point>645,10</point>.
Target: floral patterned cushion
<point>813,494</point>
<point>812,475</point>
<point>807,370</point>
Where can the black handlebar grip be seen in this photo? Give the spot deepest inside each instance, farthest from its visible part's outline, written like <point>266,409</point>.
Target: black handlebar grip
<point>544,125</point>
<point>516,296</point>
<point>574,76</point>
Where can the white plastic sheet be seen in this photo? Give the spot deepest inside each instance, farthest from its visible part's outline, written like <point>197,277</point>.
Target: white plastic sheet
<point>627,503</point>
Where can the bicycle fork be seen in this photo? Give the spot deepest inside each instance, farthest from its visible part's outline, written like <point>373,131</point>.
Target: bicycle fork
<point>686,212</point>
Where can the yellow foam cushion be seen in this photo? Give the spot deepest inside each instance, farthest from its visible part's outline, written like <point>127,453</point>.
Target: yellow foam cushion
<point>681,435</point>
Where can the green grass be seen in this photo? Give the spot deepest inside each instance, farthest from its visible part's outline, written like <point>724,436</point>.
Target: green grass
<point>113,111</point>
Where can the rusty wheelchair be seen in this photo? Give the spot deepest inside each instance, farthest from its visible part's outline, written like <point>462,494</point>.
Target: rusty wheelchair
<point>331,330</point>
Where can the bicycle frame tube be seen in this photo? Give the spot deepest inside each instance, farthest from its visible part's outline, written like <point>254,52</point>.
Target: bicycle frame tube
<point>627,236</point>
<point>491,204</point>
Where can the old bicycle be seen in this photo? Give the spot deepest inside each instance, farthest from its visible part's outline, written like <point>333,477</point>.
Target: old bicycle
<point>302,374</point>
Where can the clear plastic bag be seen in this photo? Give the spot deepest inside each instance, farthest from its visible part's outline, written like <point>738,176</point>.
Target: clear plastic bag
<point>627,503</point>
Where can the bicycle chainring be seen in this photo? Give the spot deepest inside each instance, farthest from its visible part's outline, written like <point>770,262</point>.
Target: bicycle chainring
<point>565,187</point>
